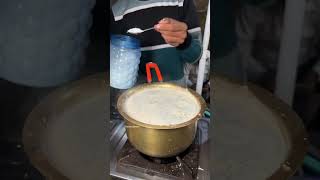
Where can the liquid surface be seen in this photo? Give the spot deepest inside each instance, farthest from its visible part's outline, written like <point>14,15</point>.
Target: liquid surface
<point>162,106</point>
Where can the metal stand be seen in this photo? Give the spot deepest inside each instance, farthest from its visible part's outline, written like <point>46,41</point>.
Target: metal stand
<point>205,52</point>
<point>289,52</point>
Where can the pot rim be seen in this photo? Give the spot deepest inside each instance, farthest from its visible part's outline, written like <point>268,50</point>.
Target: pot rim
<point>127,93</point>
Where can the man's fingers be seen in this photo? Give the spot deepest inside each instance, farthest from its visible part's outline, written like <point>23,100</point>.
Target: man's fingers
<point>165,21</point>
<point>171,39</point>
<point>181,34</point>
<point>168,21</point>
<point>174,44</point>
<point>172,31</point>
<point>174,27</point>
<point>168,24</point>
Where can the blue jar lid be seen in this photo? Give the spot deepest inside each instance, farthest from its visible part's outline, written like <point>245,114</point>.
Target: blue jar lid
<point>124,41</point>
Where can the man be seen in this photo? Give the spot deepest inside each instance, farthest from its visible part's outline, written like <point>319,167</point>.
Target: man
<point>175,40</point>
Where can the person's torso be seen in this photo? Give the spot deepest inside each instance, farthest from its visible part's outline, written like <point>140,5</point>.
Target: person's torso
<point>145,14</point>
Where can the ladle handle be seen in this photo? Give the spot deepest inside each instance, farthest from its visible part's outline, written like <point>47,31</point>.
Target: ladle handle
<point>155,66</point>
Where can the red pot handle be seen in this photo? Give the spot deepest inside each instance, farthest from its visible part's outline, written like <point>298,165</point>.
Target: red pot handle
<point>155,66</point>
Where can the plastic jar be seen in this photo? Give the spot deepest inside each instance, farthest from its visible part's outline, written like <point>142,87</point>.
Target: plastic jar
<point>124,61</point>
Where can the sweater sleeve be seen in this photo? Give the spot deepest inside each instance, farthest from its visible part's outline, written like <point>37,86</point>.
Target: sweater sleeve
<point>191,50</point>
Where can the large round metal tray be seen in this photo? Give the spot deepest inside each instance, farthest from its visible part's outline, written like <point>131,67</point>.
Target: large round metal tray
<point>65,135</point>
<point>255,135</point>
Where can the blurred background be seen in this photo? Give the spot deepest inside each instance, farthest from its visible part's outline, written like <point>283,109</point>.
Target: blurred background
<point>17,100</point>
<point>247,38</point>
<point>246,46</point>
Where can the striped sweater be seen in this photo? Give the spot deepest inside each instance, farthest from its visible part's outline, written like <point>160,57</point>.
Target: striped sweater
<point>127,14</point>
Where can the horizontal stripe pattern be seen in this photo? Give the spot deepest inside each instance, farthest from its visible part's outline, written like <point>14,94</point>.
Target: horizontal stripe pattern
<point>161,46</point>
<point>158,4</point>
<point>193,30</point>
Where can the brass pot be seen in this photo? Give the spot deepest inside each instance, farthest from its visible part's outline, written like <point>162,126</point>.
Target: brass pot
<point>155,140</point>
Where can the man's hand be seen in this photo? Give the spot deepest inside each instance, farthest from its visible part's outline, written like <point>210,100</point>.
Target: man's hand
<point>173,31</point>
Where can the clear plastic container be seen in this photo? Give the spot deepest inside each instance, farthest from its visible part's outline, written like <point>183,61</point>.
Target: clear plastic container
<point>124,61</point>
